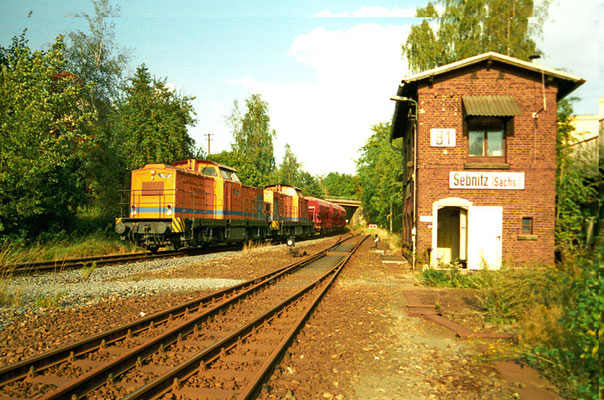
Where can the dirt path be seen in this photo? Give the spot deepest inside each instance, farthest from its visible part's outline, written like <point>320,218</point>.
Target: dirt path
<point>361,344</point>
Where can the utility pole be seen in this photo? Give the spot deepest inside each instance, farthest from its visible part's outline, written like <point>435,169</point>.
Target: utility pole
<point>209,136</point>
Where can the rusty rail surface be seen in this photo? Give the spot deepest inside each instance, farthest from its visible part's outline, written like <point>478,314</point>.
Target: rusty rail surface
<point>187,317</point>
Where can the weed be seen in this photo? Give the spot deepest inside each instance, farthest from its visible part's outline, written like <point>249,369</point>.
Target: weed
<point>251,245</point>
<point>8,295</point>
<point>87,271</point>
<point>556,310</point>
<point>49,301</point>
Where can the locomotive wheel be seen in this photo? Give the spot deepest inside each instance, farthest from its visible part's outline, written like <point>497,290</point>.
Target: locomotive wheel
<point>153,249</point>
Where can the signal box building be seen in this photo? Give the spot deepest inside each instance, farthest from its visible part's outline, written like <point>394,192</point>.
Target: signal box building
<point>478,138</point>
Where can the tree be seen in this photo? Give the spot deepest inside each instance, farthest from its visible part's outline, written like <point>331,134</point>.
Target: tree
<point>289,170</point>
<point>341,185</point>
<point>153,122</point>
<point>96,59</point>
<point>576,187</point>
<point>45,121</point>
<point>248,174</point>
<point>253,135</point>
<point>380,176</point>
<point>309,185</point>
<point>95,56</point>
<point>466,28</point>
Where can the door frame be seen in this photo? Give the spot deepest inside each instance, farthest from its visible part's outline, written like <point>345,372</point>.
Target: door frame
<point>437,205</point>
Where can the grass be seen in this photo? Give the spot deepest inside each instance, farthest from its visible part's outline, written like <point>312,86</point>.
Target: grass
<point>251,245</point>
<point>390,239</point>
<point>74,246</point>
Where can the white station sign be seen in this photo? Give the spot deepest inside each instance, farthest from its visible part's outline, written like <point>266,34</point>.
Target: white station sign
<point>486,180</point>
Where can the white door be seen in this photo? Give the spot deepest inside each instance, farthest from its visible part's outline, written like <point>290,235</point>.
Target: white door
<point>484,237</point>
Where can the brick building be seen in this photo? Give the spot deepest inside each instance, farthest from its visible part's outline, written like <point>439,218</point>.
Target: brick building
<point>485,132</point>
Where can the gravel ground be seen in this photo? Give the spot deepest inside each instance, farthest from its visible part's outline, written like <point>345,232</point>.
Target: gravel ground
<point>359,343</point>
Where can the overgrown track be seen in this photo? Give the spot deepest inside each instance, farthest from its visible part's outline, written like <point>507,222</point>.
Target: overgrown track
<point>76,263</point>
<point>35,267</point>
<point>222,345</point>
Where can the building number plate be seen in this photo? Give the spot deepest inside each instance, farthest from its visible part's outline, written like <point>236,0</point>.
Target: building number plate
<point>442,137</point>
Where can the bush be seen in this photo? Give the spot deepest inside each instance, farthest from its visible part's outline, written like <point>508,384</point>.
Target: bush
<point>557,312</point>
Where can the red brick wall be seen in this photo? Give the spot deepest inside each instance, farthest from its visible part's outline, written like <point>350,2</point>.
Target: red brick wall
<point>531,149</point>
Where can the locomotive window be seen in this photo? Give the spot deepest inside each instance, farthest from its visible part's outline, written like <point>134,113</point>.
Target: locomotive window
<point>209,171</point>
<point>225,174</point>
<point>235,177</point>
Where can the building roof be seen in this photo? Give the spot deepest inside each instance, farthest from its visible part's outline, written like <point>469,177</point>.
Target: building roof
<point>571,81</point>
<point>408,87</point>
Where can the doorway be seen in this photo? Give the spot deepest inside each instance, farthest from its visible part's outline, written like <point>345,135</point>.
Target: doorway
<point>452,236</point>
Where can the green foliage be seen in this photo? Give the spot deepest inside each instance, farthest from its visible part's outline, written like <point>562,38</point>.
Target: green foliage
<point>568,351</point>
<point>288,172</point>
<point>380,176</point>
<point>450,277</point>
<point>253,135</point>
<point>575,187</point>
<point>247,172</point>
<point>572,359</point>
<point>309,185</point>
<point>87,271</point>
<point>45,127</point>
<point>471,27</point>
<point>50,301</point>
<point>153,122</point>
<point>96,59</point>
<point>342,185</point>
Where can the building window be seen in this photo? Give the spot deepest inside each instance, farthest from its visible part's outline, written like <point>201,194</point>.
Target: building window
<point>527,225</point>
<point>486,139</point>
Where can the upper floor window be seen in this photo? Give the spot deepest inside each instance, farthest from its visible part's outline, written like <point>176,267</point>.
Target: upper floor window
<point>486,139</point>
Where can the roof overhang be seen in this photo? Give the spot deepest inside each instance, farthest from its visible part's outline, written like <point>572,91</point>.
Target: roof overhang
<point>490,106</point>
<point>408,87</point>
<point>566,82</point>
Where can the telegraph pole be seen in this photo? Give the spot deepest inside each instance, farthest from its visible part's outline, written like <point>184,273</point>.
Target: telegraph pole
<point>209,136</point>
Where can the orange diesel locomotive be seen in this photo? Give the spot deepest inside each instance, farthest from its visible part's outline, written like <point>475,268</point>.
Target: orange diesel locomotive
<point>193,202</point>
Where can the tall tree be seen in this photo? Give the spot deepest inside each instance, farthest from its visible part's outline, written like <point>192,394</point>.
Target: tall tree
<point>45,122</point>
<point>253,135</point>
<point>289,169</point>
<point>466,28</point>
<point>248,174</point>
<point>380,177</point>
<point>153,122</point>
<point>96,58</point>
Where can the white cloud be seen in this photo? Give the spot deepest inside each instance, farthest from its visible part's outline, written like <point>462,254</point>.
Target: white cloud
<point>328,120</point>
<point>370,12</point>
<point>572,36</point>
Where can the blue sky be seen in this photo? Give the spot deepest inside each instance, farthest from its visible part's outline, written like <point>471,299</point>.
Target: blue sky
<point>326,68</point>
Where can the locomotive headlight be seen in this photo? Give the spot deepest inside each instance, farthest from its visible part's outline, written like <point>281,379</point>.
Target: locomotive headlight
<point>133,210</point>
<point>169,212</point>
<point>290,242</point>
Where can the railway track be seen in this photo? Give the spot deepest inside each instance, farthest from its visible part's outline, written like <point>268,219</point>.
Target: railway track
<point>223,345</point>
<point>34,267</point>
<point>76,263</point>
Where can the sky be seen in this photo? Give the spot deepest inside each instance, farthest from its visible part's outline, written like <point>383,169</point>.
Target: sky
<point>326,68</point>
